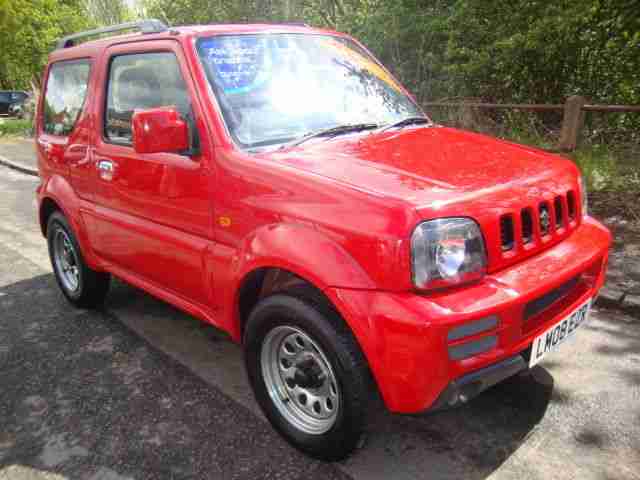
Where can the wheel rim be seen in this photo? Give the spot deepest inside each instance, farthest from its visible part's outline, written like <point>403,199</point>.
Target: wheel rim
<point>66,260</point>
<point>300,380</point>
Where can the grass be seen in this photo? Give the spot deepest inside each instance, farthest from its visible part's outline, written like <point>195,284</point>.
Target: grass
<point>14,127</point>
<point>601,169</point>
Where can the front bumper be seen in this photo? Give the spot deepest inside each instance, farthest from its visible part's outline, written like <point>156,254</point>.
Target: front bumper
<point>407,339</point>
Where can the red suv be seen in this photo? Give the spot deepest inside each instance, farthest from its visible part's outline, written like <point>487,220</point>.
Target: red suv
<point>277,182</point>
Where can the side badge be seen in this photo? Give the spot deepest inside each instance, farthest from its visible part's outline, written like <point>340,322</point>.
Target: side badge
<point>224,222</point>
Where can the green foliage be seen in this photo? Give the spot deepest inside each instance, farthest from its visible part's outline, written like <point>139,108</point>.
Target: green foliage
<point>108,12</point>
<point>538,51</point>
<point>28,30</point>
<point>494,50</point>
<point>14,127</point>
<point>606,169</point>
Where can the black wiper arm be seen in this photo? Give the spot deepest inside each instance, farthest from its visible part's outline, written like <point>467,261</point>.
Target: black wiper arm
<point>404,122</point>
<point>330,132</point>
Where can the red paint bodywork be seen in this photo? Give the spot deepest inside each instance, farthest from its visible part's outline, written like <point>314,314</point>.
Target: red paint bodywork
<point>338,213</point>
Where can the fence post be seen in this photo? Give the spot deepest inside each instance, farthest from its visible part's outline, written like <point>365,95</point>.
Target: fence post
<point>572,123</point>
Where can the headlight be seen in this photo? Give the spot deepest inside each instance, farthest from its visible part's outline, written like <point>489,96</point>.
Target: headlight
<point>583,195</point>
<point>447,251</point>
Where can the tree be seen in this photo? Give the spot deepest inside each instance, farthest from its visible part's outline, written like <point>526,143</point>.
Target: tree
<point>108,12</point>
<point>28,31</point>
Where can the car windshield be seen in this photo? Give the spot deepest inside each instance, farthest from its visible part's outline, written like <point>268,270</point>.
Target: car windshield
<point>276,88</point>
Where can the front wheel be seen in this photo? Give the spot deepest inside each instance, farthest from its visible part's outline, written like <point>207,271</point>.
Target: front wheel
<point>308,374</point>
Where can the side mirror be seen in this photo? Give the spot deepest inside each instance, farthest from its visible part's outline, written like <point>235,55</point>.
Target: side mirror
<point>159,130</point>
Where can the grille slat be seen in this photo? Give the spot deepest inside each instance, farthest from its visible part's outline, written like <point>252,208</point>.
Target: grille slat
<point>527,226</point>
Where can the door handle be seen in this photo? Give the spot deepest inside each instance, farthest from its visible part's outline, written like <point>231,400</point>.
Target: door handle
<point>106,169</point>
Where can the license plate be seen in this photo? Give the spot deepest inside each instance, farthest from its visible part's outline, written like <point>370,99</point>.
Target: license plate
<point>558,333</point>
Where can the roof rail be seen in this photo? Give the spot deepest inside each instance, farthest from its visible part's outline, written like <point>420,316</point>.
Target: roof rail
<point>145,26</point>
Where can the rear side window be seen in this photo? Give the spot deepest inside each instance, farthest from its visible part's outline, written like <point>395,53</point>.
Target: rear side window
<point>142,81</point>
<point>65,95</point>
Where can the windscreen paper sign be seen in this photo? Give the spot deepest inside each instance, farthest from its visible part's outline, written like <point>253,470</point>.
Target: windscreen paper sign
<point>240,63</point>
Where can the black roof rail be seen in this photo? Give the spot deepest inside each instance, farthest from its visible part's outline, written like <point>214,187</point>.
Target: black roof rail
<point>145,26</point>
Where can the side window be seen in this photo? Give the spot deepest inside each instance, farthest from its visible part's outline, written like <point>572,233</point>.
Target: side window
<point>65,96</point>
<point>142,81</point>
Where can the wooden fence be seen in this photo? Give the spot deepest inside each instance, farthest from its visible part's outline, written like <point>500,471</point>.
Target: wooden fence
<point>573,110</point>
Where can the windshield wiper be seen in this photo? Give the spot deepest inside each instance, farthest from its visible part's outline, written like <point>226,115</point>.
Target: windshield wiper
<point>331,132</point>
<point>404,122</point>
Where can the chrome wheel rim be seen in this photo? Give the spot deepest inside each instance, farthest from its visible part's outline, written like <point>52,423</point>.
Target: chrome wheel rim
<point>66,260</point>
<point>300,380</point>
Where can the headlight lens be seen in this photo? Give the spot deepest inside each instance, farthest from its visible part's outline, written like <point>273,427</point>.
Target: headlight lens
<point>583,195</point>
<point>447,251</point>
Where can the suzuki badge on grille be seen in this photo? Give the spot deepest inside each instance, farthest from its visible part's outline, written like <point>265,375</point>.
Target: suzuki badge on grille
<point>545,221</point>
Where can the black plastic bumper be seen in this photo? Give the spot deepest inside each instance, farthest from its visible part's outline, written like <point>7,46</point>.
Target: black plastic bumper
<point>465,388</point>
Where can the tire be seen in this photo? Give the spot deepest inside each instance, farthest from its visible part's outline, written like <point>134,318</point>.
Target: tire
<point>90,287</point>
<point>333,430</point>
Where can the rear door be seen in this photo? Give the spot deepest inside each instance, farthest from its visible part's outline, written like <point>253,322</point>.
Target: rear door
<point>153,210</point>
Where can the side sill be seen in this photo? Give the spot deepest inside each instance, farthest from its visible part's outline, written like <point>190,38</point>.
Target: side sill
<point>199,311</point>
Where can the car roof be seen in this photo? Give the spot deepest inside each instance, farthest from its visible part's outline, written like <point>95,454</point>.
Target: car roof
<point>93,47</point>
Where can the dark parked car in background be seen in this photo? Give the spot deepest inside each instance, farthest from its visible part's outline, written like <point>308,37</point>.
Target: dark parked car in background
<point>12,102</point>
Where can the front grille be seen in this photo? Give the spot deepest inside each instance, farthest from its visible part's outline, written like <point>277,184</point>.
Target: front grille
<point>535,224</point>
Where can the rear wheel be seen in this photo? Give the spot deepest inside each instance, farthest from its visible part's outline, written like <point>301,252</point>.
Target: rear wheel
<point>307,373</point>
<point>81,285</point>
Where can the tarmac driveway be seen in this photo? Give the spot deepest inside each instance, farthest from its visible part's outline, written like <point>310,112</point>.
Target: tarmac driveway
<point>142,390</point>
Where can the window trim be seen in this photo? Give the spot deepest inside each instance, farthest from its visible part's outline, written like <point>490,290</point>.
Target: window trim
<point>81,113</point>
<point>107,78</point>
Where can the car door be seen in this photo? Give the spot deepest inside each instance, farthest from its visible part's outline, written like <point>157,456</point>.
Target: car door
<point>153,211</point>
